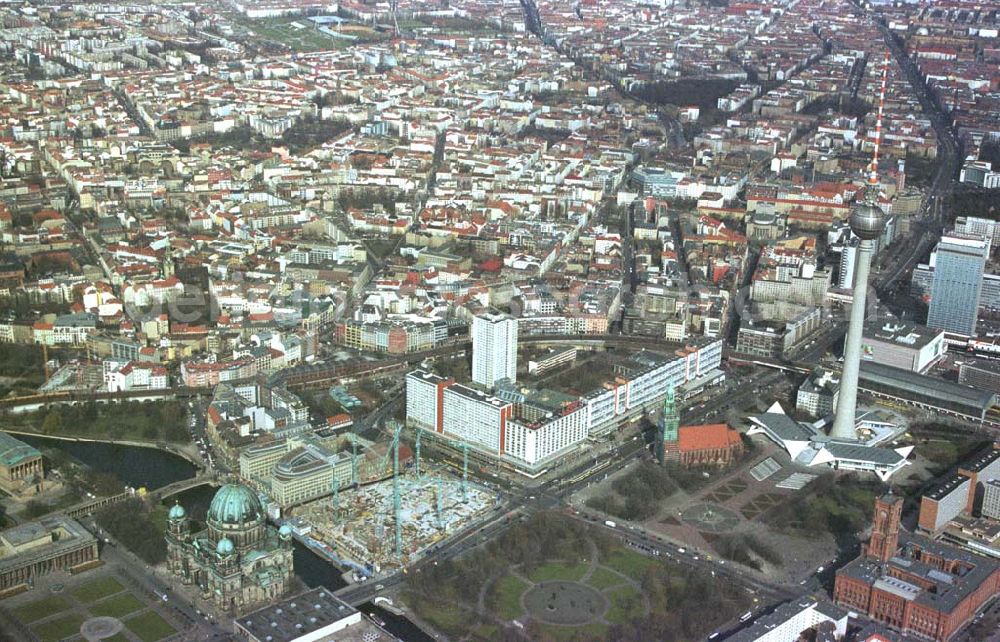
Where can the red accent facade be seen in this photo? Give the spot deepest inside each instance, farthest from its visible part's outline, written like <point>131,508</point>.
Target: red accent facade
<point>885,530</point>
<point>871,591</point>
<point>441,387</point>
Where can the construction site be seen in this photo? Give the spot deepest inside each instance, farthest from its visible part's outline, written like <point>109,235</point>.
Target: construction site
<point>386,524</point>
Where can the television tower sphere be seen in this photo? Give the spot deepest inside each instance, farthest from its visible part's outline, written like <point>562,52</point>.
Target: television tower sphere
<point>867,221</point>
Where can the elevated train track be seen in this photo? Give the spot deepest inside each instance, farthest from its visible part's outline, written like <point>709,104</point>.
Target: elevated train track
<point>325,374</point>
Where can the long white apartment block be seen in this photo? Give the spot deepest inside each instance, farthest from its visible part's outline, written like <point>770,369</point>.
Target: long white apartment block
<point>530,436</point>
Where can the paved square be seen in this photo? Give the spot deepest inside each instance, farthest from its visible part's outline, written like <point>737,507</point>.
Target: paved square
<point>97,600</point>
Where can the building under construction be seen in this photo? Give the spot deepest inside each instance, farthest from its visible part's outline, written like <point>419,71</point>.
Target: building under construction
<point>363,503</point>
<point>359,524</point>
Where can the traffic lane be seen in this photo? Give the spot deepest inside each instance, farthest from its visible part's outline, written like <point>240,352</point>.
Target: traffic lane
<point>658,546</point>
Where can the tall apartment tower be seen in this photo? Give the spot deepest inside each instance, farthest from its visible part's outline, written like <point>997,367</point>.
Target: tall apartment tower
<point>957,285</point>
<point>885,529</point>
<point>494,349</point>
<point>848,259</point>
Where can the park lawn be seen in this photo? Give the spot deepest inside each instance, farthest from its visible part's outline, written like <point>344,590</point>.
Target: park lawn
<point>117,606</point>
<point>98,589</point>
<point>592,631</point>
<point>507,597</point>
<point>307,38</point>
<point>626,605</point>
<point>447,617</point>
<point>117,637</point>
<point>603,578</point>
<point>629,563</point>
<point>61,628</point>
<point>486,632</point>
<point>41,608</point>
<point>150,627</point>
<point>559,571</point>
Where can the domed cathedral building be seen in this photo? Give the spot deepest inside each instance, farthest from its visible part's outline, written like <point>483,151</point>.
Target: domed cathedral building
<point>238,561</point>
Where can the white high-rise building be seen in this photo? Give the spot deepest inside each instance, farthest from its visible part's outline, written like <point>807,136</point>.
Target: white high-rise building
<point>494,349</point>
<point>848,256</point>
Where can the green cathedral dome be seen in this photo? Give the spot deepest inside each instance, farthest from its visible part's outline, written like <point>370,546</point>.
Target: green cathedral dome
<point>176,512</point>
<point>225,547</point>
<point>235,505</point>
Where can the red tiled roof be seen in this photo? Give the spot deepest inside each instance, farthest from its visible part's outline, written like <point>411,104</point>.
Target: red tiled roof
<point>706,437</point>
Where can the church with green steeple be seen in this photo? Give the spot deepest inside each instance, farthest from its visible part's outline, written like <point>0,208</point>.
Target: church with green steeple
<point>666,443</point>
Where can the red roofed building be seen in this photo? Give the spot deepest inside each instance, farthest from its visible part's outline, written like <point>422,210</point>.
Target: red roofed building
<point>708,445</point>
<point>342,420</point>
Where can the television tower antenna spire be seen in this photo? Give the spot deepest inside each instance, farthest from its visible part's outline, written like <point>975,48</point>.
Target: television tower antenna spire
<point>870,193</point>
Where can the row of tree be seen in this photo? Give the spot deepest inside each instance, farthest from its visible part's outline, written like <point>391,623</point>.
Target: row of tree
<point>841,506</point>
<point>131,523</point>
<point>637,494</point>
<point>148,421</point>
<point>746,549</point>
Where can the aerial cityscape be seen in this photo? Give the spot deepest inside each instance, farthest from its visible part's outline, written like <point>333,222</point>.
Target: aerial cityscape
<point>500,320</point>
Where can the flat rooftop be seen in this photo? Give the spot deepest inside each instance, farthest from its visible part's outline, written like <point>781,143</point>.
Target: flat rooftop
<point>305,614</point>
<point>930,387</point>
<point>946,487</point>
<point>981,461</point>
<point>900,333</point>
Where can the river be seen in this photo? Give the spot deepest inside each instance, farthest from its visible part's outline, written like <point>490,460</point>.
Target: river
<point>134,465</point>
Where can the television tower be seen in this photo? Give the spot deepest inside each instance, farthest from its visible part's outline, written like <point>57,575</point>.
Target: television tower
<point>867,222</point>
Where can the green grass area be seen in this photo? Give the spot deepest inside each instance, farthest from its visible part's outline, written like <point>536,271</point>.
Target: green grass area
<point>38,609</point>
<point>98,589</point>
<point>61,628</point>
<point>674,602</point>
<point>486,632</point>
<point>603,578</point>
<point>117,637</point>
<point>117,606</point>
<point>507,597</point>
<point>943,453</point>
<point>559,571</point>
<point>306,38</point>
<point>626,605</point>
<point>629,562</point>
<point>150,627</point>
<point>592,631</point>
<point>446,617</point>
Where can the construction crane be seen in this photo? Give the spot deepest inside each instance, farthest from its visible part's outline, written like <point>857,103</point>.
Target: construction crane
<point>354,459</point>
<point>394,9</point>
<point>397,428</point>
<point>417,449</point>
<point>465,468</point>
<point>336,497</point>
<point>440,502</point>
